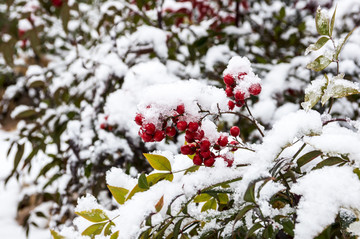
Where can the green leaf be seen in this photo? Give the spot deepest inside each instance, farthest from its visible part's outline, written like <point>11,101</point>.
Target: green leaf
<point>243,211</point>
<point>357,172</point>
<point>158,162</point>
<point>156,177</point>
<point>37,83</point>
<point>306,158</point>
<point>211,204</point>
<point>288,227</point>
<point>142,182</point>
<point>118,193</point>
<point>202,198</point>
<point>223,198</point>
<point>319,43</point>
<point>56,235</point>
<point>319,63</point>
<point>332,21</point>
<point>177,228</point>
<point>18,155</point>
<point>65,16</point>
<point>115,235</point>
<point>322,22</point>
<point>25,114</point>
<point>249,195</point>
<point>253,229</point>
<point>93,215</point>
<point>159,204</point>
<point>107,231</point>
<point>193,168</point>
<point>94,229</point>
<point>340,46</point>
<point>329,162</point>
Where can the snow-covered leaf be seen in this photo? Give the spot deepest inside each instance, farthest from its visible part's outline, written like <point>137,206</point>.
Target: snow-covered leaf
<point>314,92</point>
<point>56,235</point>
<point>211,204</point>
<point>319,63</point>
<point>94,215</point>
<point>316,46</point>
<point>322,22</point>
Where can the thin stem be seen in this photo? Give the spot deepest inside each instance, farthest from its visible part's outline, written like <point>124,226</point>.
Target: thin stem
<point>297,153</point>
<point>260,131</point>
<point>337,73</point>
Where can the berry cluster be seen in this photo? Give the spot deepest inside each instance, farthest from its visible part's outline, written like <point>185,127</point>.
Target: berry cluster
<point>239,94</point>
<point>105,125</point>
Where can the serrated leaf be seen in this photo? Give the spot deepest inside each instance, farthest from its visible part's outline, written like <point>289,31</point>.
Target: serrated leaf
<point>115,235</point>
<point>316,46</point>
<point>211,204</point>
<point>142,182</point>
<point>329,162</point>
<point>249,195</point>
<point>159,204</point>
<point>319,63</point>
<point>306,158</point>
<point>332,21</point>
<point>94,229</point>
<point>56,235</point>
<point>118,193</point>
<point>340,46</point>
<point>158,162</point>
<point>322,22</point>
<point>202,198</point>
<point>93,215</point>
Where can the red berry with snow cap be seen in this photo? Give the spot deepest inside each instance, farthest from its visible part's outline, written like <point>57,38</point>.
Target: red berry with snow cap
<point>159,135</point>
<point>229,79</point>
<point>150,128</point>
<point>102,125</point>
<point>170,131</point>
<point>235,131</point>
<point>138,119</point>
<point>255,89</point>
<point>241,75</point>
<point>193,126</point>
<point>223,141</point>
<point>239,95</point>
<point>231,105</point>
<point>180,109</point>
<point>181,125</point>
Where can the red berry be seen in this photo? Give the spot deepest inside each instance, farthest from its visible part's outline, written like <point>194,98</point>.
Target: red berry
<point>241,75</point>
<point>150,128</point>
<point>209,162</point>
<point>229,79</point>
<point>235,131</point>
<point>159,135</point>
<point>234,143</point>
<point>110,128</point>
<point>21,33</point>
<point>185,149</point>
<point>205,154</point>
<point>231,105</point>
<point>240,103</point>
<point>216,147</point>
<point>222,141</point>
<point>147,137</point>
<point>229,91</point>
<point>193,126</point>
<point>180,109</point>
<point>197,160</point>
<point>205,145</point>
<point>102,125</point>
<point>57,3</point>
<point>181,125</point>
<point>170,131</point>
<point>199,135</point>
<point>228,161</point>
<point>255,89</point>
<point>138,119</point>
<point>107,117</point>
<point>239,95</point>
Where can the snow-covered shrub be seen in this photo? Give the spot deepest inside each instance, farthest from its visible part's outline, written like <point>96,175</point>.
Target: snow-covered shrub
<point>85,65</point>
<point>300,180</point>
